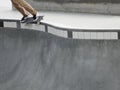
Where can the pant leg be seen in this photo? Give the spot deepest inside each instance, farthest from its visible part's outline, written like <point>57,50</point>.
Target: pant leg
<point>27,7</point>
<point>19,8</point>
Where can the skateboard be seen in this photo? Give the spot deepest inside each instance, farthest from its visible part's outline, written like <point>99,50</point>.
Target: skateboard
<point>30,20</point>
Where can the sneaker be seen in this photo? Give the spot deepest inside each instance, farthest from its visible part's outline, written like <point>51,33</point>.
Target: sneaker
<point>23,19</point>
<point>35,18</point>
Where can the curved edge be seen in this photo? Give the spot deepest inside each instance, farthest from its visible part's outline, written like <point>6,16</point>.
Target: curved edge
<point>63,31</point>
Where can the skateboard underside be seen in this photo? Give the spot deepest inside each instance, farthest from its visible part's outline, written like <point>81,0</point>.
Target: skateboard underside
<point>30,19</point>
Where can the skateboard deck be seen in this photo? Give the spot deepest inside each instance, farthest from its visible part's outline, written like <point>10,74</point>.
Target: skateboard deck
<point>30,19</point>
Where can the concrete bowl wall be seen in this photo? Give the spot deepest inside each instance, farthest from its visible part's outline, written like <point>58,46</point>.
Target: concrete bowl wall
<point>86,6</point>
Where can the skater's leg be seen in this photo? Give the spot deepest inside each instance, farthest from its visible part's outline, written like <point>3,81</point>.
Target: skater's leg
<point>27,6</point>
<point>19,8</point>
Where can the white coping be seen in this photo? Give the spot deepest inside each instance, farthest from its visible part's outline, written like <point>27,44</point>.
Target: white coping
<point>63,33</point>
<point>95,35</point>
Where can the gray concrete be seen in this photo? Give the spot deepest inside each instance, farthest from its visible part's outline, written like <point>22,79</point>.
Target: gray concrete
<point>34,60</point>
<point>88,6</point>
<point>82,1</point>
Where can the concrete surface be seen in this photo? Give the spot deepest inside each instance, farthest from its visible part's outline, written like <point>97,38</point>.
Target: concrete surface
<point>34,60</point>
<point>84,6</point>
<point>79,20</point>
<point>82,1</point>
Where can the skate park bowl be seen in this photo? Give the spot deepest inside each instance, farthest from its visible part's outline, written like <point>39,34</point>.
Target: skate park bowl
<point>42,59</point>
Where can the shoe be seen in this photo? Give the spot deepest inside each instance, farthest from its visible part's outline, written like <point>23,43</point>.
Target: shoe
<point>35,18</point>
<point>24,19</point>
